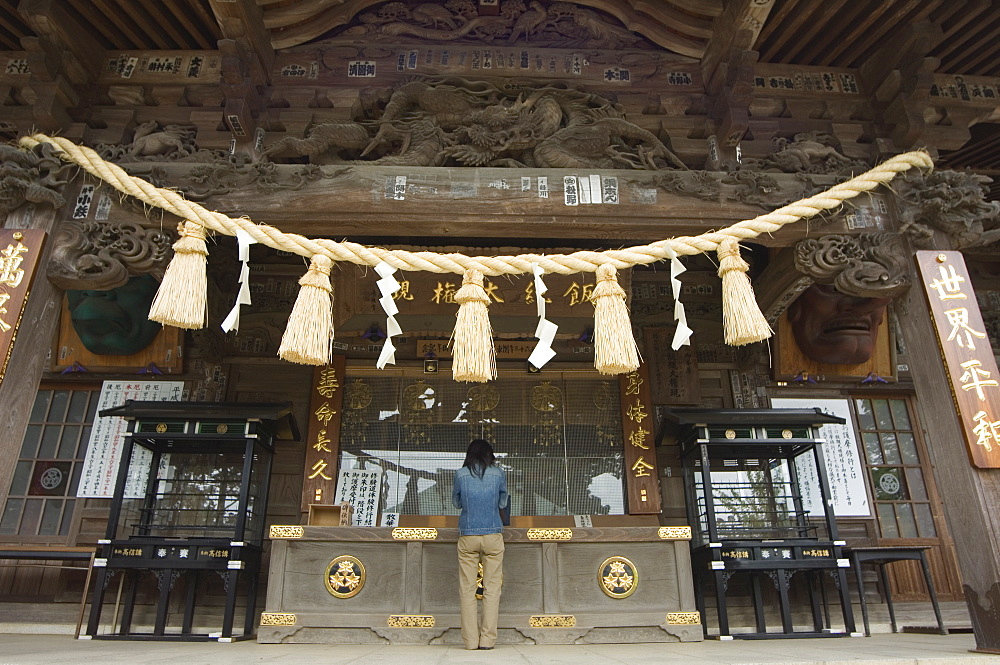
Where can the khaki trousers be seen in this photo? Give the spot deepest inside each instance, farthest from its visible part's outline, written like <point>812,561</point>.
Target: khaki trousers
<point>472,550</point>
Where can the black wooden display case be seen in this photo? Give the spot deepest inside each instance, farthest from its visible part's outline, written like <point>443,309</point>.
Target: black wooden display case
<point>198,510</point>
<point>745,506</point>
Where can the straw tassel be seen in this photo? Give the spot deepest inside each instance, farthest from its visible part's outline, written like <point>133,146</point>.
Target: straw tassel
<point>181,300</point>
<point>741,316</point>
<point>308,336</point>
<point>614,345</point>
<point>474,357</point>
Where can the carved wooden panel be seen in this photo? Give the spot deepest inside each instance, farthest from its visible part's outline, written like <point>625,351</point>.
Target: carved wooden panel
<point>20,252</point>
<point>319,479</point>
<point>642,482</point>
<point>791,364</point>
<point>68,352</point>
<point>966,351</point>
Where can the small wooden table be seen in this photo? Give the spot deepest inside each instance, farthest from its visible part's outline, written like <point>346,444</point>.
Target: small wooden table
<point>883,556</point>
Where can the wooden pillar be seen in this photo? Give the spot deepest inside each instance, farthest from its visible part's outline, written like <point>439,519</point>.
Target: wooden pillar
<point>27,359</point>
<point>972,495</point>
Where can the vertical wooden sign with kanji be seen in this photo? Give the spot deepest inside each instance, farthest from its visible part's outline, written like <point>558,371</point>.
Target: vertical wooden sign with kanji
<point>642,480</point>
<point>319,474</point>
<point>966,351</point>
<point>20,251</point>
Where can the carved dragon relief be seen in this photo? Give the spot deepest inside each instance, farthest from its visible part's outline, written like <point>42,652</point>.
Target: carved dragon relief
<point>87,254</point>
<point>35,176</point>
<point>450,121</point>
<point>556,24</point>
<point>950,202</point>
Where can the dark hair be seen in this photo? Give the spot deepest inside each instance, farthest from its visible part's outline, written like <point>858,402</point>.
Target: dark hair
<point>479,456</point>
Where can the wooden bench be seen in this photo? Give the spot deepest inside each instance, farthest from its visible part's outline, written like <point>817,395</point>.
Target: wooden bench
<point>881,557</point>
<point>56,553</point>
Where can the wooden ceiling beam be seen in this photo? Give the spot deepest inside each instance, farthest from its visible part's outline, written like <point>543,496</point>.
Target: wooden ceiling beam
<point>818,50</point>
<point>54,26</point>
<point>972,153</point>
<point>806,37</point>
<point>980,45</point>
<point>194,29</point>
<point>10,34</point>
<point>859,30</point>
<point>973,14</point>
<point>159,18</point>
<point>793,26</point>
<point>770,33</point>
<point>953,16</point>
<point>126,28</point>
<point>911,13</point>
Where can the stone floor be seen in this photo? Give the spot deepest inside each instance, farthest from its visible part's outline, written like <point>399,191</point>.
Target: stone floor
<point>894,649</point>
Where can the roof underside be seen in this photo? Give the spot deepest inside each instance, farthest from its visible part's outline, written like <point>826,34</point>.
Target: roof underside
<point>832,33</point>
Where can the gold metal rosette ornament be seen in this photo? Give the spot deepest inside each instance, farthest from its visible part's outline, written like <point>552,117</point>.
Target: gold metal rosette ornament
<point>547,400</point>
<point>345,576</point>
<point>419,400</point>
<point>483,399</point>
<point>606,398</point>
<point>354,428</point>
<point>618,577</point>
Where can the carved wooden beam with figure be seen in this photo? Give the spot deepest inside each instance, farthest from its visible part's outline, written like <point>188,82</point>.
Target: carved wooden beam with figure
<point>898,79</point>
<point>728,69</point>
<point>736,28</point>
<point>680,27</point>
<point>64,60</point>
<point>247,58</point>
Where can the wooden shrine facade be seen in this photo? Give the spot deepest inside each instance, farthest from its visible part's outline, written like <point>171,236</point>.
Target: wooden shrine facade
<point>489,127</point>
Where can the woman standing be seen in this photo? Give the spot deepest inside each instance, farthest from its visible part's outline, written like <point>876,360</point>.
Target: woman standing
<point>480,491</point>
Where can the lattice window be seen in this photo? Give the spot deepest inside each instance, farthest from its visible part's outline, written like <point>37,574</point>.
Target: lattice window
<point>559,438</point>
<point>43,491</point>
<point>894,467</point>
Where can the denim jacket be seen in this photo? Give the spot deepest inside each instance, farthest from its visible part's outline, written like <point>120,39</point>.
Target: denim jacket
<point>480,500</point>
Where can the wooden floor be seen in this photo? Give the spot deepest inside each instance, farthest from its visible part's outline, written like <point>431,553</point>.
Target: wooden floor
<point>60,618</point>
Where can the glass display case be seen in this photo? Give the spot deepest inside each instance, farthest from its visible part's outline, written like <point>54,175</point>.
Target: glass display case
<point>746,472</point>
<point>191,501</point>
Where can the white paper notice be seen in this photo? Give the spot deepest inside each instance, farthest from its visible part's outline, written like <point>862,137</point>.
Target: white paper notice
<point>844,470</point>
<point>362,488</point>
<point>107,438</point>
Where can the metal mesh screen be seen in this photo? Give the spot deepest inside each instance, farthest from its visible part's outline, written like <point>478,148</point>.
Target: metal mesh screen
<point>559,439</point>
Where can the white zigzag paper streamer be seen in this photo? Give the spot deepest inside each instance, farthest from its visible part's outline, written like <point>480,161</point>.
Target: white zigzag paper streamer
<point>232,320</point>
<point>682,336</point>
<point>546,330</point>
<point>388,286</point>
